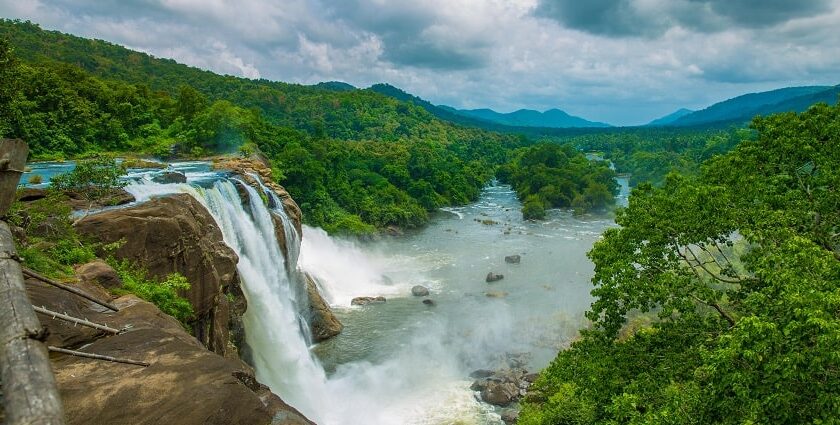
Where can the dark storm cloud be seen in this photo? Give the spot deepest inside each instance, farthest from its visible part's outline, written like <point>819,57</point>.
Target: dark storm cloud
<point>413,34</point>
<point>618,18</point>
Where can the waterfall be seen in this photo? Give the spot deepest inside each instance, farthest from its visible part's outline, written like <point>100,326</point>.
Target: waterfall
<point>279,349</point>
<point>394,391</point>
<point>292,236</point>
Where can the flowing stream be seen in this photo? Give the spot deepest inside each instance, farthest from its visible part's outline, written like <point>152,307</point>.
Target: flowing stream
<point>402,361</point>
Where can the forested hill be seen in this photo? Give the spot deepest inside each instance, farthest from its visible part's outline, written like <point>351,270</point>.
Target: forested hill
<point>355,160</point>
<point>342,114</point>
<point>741,109</point>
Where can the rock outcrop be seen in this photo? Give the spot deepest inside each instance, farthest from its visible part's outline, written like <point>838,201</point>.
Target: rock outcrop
<point>367,300</point>
<point>323,322</point>
<point>175,234</point>
<point>184,384</point>
<point>513,259</point>
<point>167,177</point>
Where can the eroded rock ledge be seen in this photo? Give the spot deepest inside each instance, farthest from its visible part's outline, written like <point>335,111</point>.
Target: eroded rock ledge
<point>185,383</point>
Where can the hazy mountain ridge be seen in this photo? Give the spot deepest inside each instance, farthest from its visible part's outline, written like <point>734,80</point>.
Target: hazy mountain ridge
<point>670,118</point>
<point>743,108</point>
<point>552,118</point>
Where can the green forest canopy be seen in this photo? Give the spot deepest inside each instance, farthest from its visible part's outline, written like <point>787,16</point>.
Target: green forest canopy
<point>740,264</point>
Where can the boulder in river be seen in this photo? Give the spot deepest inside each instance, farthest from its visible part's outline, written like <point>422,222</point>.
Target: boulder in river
<point>513,259</point>
<point>494,277</point>
<point>510,416</point>
<point>367,300</point>
<point>169,177</point>
<point>419,291</point>
<point>495,294</point>
<point>429,302</point>
<point>500,393</point>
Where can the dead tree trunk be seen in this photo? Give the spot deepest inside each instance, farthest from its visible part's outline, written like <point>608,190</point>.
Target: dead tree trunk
<point>30,394</point>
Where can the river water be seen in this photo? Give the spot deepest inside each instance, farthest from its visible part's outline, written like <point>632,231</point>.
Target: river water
<point>402,361</point>
<point>410,362</point>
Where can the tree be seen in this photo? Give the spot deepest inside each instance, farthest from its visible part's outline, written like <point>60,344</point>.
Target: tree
<point>92,180</point>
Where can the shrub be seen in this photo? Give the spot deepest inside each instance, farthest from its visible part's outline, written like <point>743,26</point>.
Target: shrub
<point>93,179</point>
<point>162,293</point>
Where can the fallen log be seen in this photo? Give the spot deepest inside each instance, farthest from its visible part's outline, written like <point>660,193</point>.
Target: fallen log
<point>68,288</point>
<point>75,320</point>
<point>97,356</point>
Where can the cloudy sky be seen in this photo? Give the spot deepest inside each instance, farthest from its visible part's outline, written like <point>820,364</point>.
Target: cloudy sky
<point>619,61</point>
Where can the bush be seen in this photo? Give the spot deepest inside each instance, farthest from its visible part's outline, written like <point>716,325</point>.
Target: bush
<point>533,208</point>
<point>162,293</point>
<point>92,178</point>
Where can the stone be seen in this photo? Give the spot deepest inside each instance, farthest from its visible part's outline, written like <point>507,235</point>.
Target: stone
<point>493,277</point>
<point>322,320</point>
<point>430,303</point>
<point>169,177</point>
<point>172,234</point>
<point>100,273</point>
<point>367,300</point>
<point>513,259</point>
<point>185,383</point>
<point>419,291</point>
<point>500,393</point>
<point>531,377</point>
<point>29,194</point>
<point>495,294</point>
<point>116,197</point>
<point>510,416</point>
<point>482,373</point>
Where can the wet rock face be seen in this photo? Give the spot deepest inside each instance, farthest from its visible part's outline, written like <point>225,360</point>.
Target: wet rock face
<point>322,320</point>
<point>246,168</point>
<point>167,177</point>
<point>173,234</point>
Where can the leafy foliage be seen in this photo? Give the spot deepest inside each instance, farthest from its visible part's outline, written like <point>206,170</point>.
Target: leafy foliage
<point>741,265</point>
<point>92,179</point>
<point>548,175</point>
<point>51,245</point>
<point>162,293</point>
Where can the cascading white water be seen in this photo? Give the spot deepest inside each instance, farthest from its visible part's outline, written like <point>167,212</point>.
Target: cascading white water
<point>279,352</point>
<point>344,271</point>
<point>293,239</point>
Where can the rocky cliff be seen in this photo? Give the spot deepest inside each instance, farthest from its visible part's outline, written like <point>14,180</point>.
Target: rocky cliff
<point>196,378</point>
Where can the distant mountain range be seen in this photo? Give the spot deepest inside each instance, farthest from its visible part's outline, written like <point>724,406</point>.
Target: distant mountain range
<point>670,118</point>
<point>743,108</point>
<point>552,118</point>
<point>735,111</point>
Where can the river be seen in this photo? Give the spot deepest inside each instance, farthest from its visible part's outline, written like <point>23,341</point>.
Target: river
<point>402,361</point>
